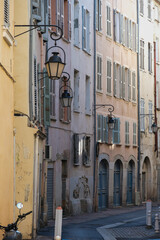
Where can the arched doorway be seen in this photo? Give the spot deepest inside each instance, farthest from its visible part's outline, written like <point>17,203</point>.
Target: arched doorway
<point>103,184</point>
<point>130,182</point>
<point>146,180</point>
<point>118,183</point>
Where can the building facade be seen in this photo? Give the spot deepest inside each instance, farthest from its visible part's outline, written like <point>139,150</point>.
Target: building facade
<point>116,85</point>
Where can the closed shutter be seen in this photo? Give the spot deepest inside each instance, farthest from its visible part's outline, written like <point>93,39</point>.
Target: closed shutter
<point>103,129</point>
<point>46,100</point>
<point>123,83</point>
<point>40,84</point>
<point>114,80</point>
<point>87,31</point>
<point>133,87</point>
<point>115,27</point>
<point>134,134</point>
<point>83,28</point>
<point>106,139</point>
<point>52,98</point>
<point>120,82</point>
<point>97,6</point>
<point>35,90</point>
<point>109,76</point>
<point>61,112</point>
<point>116,131</point>
<point>86,150</point>
<point>76,24</point>
<point>99,128</point>
<point>108,21</point>
<point>121,28</point>
<point>99,73</point>
<point>76,148</point>
<point>69,20</point>
<point>129,85</point>
<point>126,132</point>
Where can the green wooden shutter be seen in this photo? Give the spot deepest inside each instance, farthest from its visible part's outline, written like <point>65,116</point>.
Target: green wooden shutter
<point>46,100</point>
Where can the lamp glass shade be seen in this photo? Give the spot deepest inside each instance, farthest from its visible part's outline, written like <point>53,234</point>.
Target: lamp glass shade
<point>54,66</point>
<point>154,127</point>
<point>111,123</point>
<point>66,99</point>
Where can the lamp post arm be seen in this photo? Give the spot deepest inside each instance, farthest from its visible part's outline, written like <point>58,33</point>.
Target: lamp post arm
<point>110,107</point>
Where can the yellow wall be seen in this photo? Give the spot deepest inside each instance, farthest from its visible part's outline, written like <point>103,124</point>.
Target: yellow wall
<point>6,122</point>
<point>24,133</point>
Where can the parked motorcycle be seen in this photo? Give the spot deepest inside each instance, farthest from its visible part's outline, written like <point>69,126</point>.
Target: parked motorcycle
<point>11,230</point>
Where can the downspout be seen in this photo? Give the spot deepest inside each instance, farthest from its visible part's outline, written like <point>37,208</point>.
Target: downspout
<point>138,88</point>
<point>94,109</point>
<point>155,97</point>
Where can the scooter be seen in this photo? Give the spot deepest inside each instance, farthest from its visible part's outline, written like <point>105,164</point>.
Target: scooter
<point>11,230</point>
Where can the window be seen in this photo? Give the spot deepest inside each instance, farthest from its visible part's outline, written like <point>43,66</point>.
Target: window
<point>76,91</point>
<point>86,150</point>
<point>134,36</point>
<point>99,73</point>
<point>6,13</point>
<point>126,32</point>
<point>150,115</point>
<point>126,132</point>
<point>116,131</point>
<point>142,6</point>
<point>134,134</point>
<point>109,77</point>
<point>35,112</point>
<point>85,30</point>
<point>76,23</point>
<point>76,148</point>
<point>141,54</point>
<point>123,83</point>
<point>156,11</point>
<point>102,129</point>
<point>108,20</point>
<point>157,49</point>
<point>117,25</point>
<point>46,106</point>
<point>149,57</point>
<point>149,9</point>
<point>129,85</point>
<point>142,116</point>
<point>52,99</point>
<point>60,13</point>
<point>126,85</point>
<point>87,97</point>
<point>133,87</point>
<point>98,15</point>
<point>117,81</point>
<point>67,19</point>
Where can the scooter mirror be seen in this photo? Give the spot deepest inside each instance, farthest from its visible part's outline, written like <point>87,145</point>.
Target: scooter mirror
<point>19,205</point>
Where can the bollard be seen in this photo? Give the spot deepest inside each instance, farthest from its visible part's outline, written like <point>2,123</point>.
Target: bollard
<point>156,223</point>
<point>149,220</point>
<point>58,224</point>
<point>148,208</point>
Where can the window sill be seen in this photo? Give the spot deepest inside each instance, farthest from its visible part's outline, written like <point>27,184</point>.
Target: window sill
<point>127,145</point>
<point>99,32</point>
<point>109,38</point>
<point>65,122</point>
<point>88,112</point>
<point>76,164</point>
<point>109,94</point>
<point>53,118</point>
<point>118,144</point>
<point>99,91</point>
<point>76,110</point>
<point>135,146</point>
<point>7,36</point>
<point>76,46</point>
<point>66,40</point>
<point>87,52</point>
<point>87,164</point>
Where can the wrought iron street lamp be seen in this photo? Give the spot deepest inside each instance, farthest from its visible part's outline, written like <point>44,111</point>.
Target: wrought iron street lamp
<point>65,91</point>
<point>111,119</point>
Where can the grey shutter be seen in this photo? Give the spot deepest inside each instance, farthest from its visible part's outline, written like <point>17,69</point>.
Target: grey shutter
<point>116,131</point>
<point>36,10</point>
<point>114,80</point>
<point>129,85</point>
<point>99,128</point>
<point>104,129</point>
<point>108,76</point>
<point>133,86</point>
<point>39,92</point>
<point>61,110</point>
<point>120,81</point>
<point>106,140</point>
<point>123,83</point>
<point>35,90</point>
<point>46,100</point>
<point>97,7</point>
<point>86,150</point>
<point>76,148</point>
<point>83,34</point>
<point>114,24</point>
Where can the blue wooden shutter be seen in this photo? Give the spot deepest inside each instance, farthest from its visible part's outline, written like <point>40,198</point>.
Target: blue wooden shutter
<point>106,140</point>
<point>46,100</point>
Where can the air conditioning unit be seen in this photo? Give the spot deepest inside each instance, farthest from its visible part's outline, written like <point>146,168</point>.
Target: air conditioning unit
<point>48,152</point>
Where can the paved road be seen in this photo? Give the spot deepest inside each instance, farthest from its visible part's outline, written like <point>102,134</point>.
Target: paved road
<point>123,223</point>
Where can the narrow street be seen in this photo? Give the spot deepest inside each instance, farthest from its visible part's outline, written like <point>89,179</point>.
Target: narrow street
<point>122,223</point>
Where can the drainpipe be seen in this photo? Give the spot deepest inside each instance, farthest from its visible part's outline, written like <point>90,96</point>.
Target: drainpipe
<point>94,101</point>
<point>138,88</point>
<point>14,173</point>
<point>155,97</point>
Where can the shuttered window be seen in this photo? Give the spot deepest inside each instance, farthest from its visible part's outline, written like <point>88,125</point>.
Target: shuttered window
<point>123,83</point>
<point>46,100</point>
<point>76,149</point>
<point>109,77</point>
<point>99,127</point>
<point>76,91</point>
<point>76,23</point>
<point>134,36</point>
<point>86,150</point>
<point>99,73</point>
<point>126,132</point>
<point>150,115</point>
<point>85,30</point>
<point>114,80</point>
<point>129,85</point>
<point>142,116</point>
<point>116,131</point>
<point>6,13</point>
<point>52,99</point>
<point>141,54</point>
<point>133,87</point>
<point>87,95</point>
<point>149,57</point>
<point>149,9</point>
<point>117,29</point>
<point>35,90</point>
<point>134,134</point>
<point>142,6</point>
<point>98,15</point>
<point>108,14</point>
<point>67,19</point>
